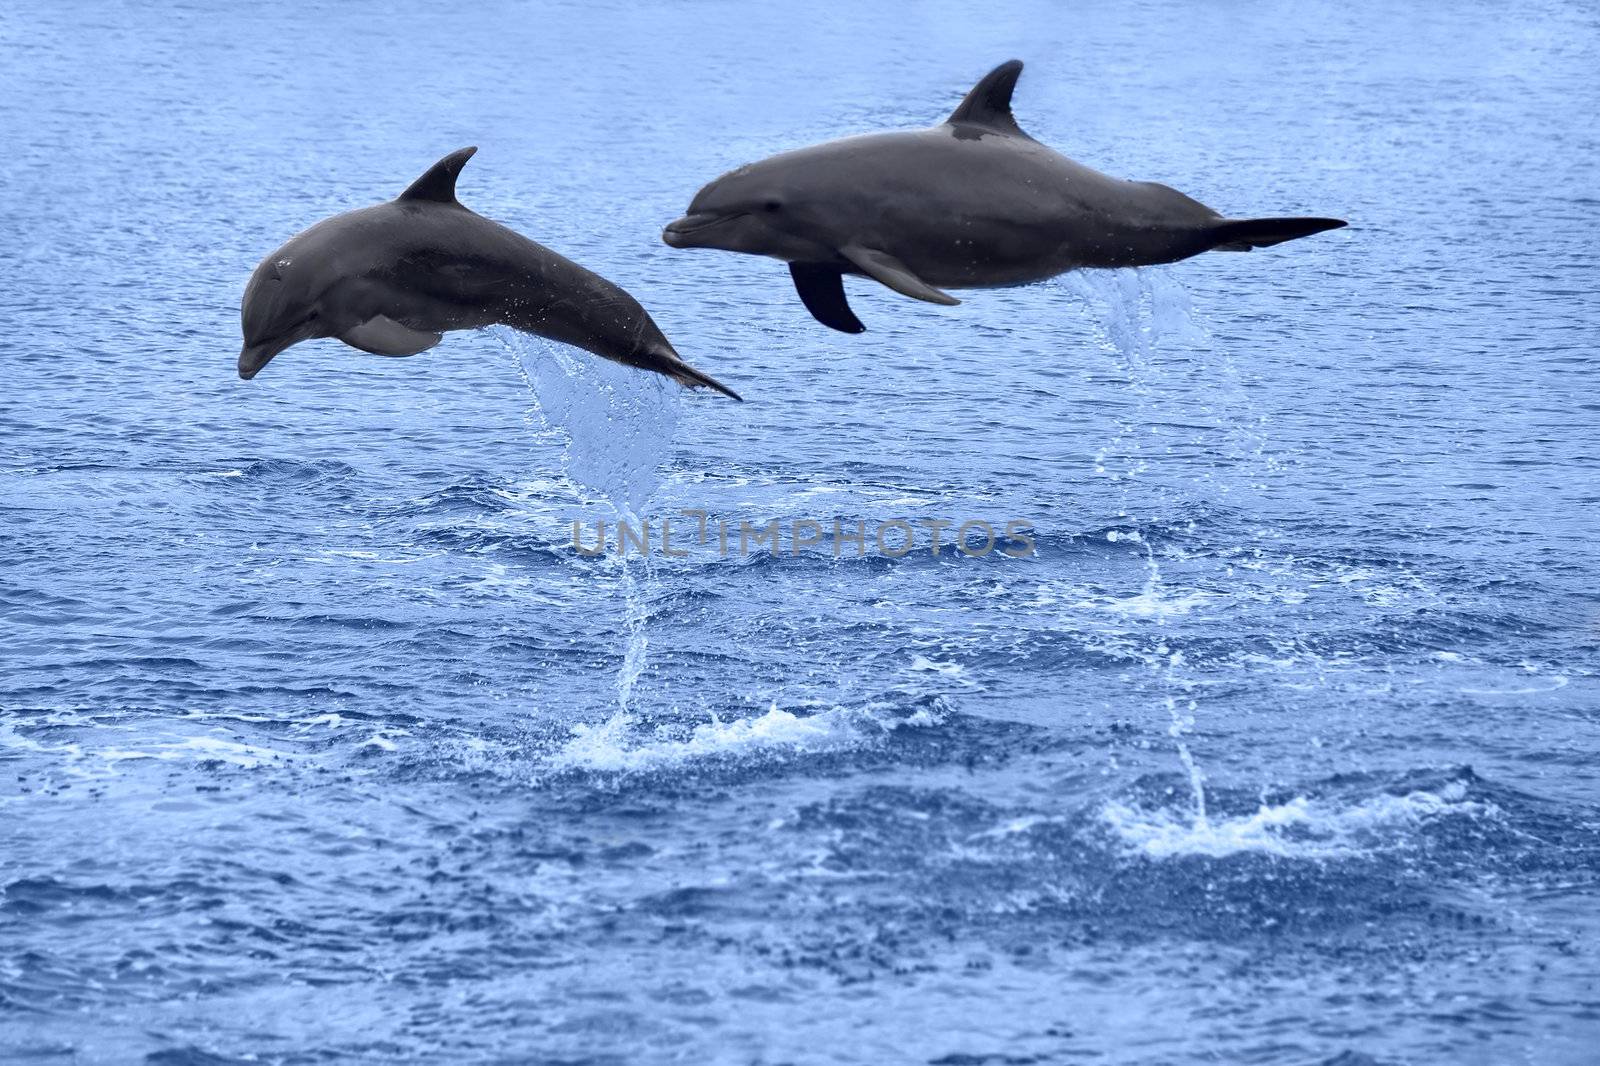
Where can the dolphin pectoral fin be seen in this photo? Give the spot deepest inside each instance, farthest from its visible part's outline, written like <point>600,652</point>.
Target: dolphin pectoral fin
<point>883,267</point>
<point>821,289</point>
<point>382,335</point>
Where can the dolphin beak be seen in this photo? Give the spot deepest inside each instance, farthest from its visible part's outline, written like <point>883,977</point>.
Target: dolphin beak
<point>680,234</point>
<point>252,357</point>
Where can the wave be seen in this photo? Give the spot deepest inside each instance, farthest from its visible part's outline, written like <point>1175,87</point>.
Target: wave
<point>1300,828</point>
<point>617,744</point>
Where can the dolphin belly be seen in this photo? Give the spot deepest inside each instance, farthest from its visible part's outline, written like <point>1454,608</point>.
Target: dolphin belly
<point>422,307</point>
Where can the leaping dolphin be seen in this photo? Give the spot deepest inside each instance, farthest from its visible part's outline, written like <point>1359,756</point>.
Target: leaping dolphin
<point>971,203</point>
<point>391,279</point>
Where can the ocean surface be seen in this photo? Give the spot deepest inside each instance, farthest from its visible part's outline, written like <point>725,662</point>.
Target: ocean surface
<point>1268,736</point>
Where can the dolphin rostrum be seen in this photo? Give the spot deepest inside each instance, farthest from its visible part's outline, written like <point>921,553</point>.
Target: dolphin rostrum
<point>971,203</point>
<point>391,279</point>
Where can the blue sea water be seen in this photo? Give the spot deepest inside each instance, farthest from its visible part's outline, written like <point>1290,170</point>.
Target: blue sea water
<point>319,742</point>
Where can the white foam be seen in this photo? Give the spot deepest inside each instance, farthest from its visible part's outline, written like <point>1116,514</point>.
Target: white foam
<point>90,761</point>
<point>1016,826</point>
<point>202,749</point>
<point>618,745</point>
<point>1151,603</point>
<point>1301,828</point>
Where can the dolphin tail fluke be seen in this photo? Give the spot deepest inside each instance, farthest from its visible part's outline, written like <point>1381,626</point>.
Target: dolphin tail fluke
<point>666,361</point>
<point>1241,235</point>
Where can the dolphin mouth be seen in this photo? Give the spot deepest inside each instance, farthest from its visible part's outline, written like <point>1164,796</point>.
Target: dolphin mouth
<point>677,233</point>
<point>252,357</point>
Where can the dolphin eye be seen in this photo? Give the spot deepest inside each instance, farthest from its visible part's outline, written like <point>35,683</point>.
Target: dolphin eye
<point>772,206</point>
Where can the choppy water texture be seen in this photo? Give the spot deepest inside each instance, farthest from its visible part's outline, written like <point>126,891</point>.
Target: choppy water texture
<point>319,742</point>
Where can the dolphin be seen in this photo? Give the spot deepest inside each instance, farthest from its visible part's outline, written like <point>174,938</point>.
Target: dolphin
<point>391,279</point>
<point>972,203</point>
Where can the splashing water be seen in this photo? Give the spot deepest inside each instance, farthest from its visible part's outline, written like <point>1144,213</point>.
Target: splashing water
<point>1301,828</point>
<point>615,746</point>
<point>636,610</point>
<point>1135,312</point>
<point>1138,310</point>
<point>618,424</point>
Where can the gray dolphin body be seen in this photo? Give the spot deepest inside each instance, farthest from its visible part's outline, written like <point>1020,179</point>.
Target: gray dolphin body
<point>391,279</point>
<point>971,203</point>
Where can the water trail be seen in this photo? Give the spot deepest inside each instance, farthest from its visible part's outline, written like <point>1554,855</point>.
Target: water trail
<point>615,425</point>
<point>1181,722</point>
<point>636,611</point>
<point>1135,312</point>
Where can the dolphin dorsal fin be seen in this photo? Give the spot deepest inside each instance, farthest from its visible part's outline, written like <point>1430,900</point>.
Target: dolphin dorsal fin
<point>439,183</point>
<point>989,102</point>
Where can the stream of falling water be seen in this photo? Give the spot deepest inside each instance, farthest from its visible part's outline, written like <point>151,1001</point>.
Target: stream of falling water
<point>1135,312</point>
<point>617,424</point>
